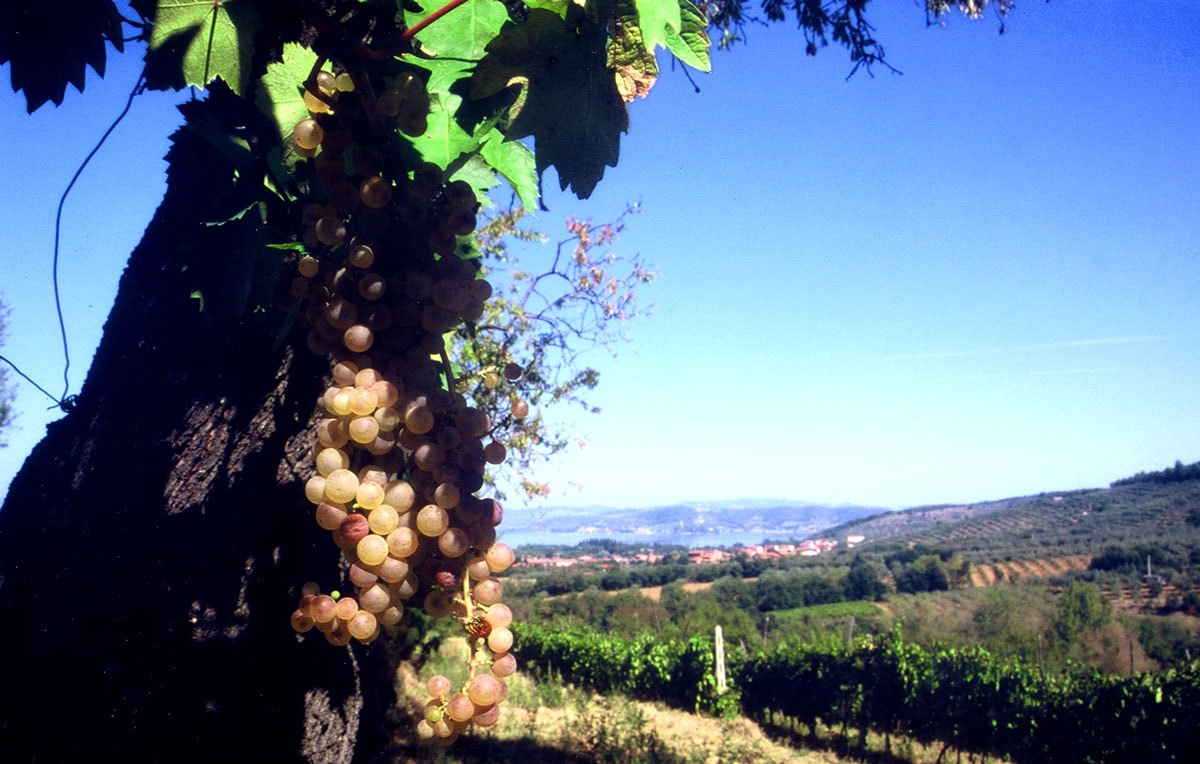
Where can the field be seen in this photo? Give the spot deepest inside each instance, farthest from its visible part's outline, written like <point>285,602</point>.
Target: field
<point>1010,568</point>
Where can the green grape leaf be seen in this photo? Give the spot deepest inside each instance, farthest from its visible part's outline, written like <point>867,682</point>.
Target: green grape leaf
<point>464,32</point>
<point>691,44</point>
<point>557,7</point>
<point>196,41</point>
<point>655,18</point>
<point>570,102</point>
<point>475,170</point>
<point>515,163</point>
<point>628,55</point>
<point>279,96</point>
<point>447,133</point>
<point>443,73</point>
<point>444,141</point>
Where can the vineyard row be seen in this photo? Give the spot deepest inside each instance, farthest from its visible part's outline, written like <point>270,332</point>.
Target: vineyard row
<point>968,699</point>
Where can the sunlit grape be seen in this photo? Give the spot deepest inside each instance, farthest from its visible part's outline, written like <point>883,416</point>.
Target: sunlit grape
<point>485,689</point>
<point>330,516</point>
<point>499,557</point>
<point>373,473</point>
<point>307,134</point>
<point>314,104</point>
<point>331,433</point>
<point>337,402</point>
<point>358,338</point>
<point>408,587</point>
<point>504,665</point>
<point>302,621</point>
<point>383,518</point>
<point>326,82</point>
<point>339,636</point>
<point>477,568</point>
<point>372,549</point>
<point>314,489</point>
<point>323,609</point>
<point>399,494</point>
<point>363,625</point>
<point>459,707</point>
<point>486,716</point>
<point>369,495</point>
<point>361,576</point>
<point>500,640</point>
<point>346,608</point>
<point>388,419</point>
<point>499,615</point>
<point>363,429</point>
<point>488,592</point>
<point>432,520</point>
<point>341,486</point>
<point>363,401</point>
<point>330,459</point>
<point>402,542</point>
<point>393,570</point>
<point>375,598</point>
<point>453,543</point>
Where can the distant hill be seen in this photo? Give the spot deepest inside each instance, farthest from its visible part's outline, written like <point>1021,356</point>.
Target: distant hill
<point>737,516</point>
<point>1160,509</point>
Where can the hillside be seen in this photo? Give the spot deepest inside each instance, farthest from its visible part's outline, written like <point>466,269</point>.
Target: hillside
<point>1142,511</point>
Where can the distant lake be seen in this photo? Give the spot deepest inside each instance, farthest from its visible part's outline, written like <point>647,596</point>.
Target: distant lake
<point>517,539</point>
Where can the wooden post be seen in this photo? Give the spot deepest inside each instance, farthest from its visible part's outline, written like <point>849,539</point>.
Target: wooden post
<point>719,639</point>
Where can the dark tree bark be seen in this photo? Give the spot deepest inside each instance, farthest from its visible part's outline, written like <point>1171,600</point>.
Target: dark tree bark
<point>153,545</point>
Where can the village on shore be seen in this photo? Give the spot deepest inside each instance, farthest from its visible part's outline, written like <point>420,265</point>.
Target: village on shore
<point>697,556</point>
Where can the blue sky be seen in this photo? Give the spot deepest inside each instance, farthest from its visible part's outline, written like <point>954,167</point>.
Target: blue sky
<point>974,280</point>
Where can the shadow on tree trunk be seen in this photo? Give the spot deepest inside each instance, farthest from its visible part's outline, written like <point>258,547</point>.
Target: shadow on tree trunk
<point>153,545</point>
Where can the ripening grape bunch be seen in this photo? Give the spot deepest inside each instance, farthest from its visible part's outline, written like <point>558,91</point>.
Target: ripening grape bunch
<point>399,453</point>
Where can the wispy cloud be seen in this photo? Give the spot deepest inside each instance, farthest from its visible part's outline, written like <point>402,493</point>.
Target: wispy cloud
<point>1036,373</point>
<point>1061,344</point>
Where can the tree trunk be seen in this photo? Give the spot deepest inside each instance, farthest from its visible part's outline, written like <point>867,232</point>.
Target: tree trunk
<point>153,545</point>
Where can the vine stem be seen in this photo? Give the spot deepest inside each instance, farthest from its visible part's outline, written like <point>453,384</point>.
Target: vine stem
<point>415,28</point>
<point>451,382</point>
<point>466,593</point>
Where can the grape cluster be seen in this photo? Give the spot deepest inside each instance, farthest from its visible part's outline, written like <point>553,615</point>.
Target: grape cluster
<point>399,453</point>
<point>448,712</point>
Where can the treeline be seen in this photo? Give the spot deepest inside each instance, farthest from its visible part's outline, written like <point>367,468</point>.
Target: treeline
<point>1177,474</point>
<point>921,569</point>
<point>966,699</point>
